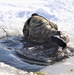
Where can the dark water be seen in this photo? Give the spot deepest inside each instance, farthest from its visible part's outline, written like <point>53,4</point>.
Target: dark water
<point>11,44</point>
<point>10,57</point>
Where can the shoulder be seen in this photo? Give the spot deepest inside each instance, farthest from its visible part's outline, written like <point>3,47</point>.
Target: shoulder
<point>38,18</point>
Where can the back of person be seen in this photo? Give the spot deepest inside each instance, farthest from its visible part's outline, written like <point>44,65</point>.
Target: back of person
<point>39,29</point>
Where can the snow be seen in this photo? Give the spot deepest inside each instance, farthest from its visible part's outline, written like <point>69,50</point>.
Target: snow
<point>59,10</point>
<point>15,12</point>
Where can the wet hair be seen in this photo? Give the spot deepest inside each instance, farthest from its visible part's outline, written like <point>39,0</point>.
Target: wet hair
<point>34,14</point>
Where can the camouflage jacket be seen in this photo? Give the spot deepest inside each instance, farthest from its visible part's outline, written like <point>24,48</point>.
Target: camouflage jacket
<point>39,29</point>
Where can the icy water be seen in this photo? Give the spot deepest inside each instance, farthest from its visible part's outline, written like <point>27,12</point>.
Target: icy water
<point>10,57</point>
<point>15,47</point>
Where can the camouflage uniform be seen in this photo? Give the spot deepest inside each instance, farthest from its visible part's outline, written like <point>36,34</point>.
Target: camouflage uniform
<point>39,29</point>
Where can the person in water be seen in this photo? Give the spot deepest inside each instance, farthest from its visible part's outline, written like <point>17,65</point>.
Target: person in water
<point>40,30</point>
